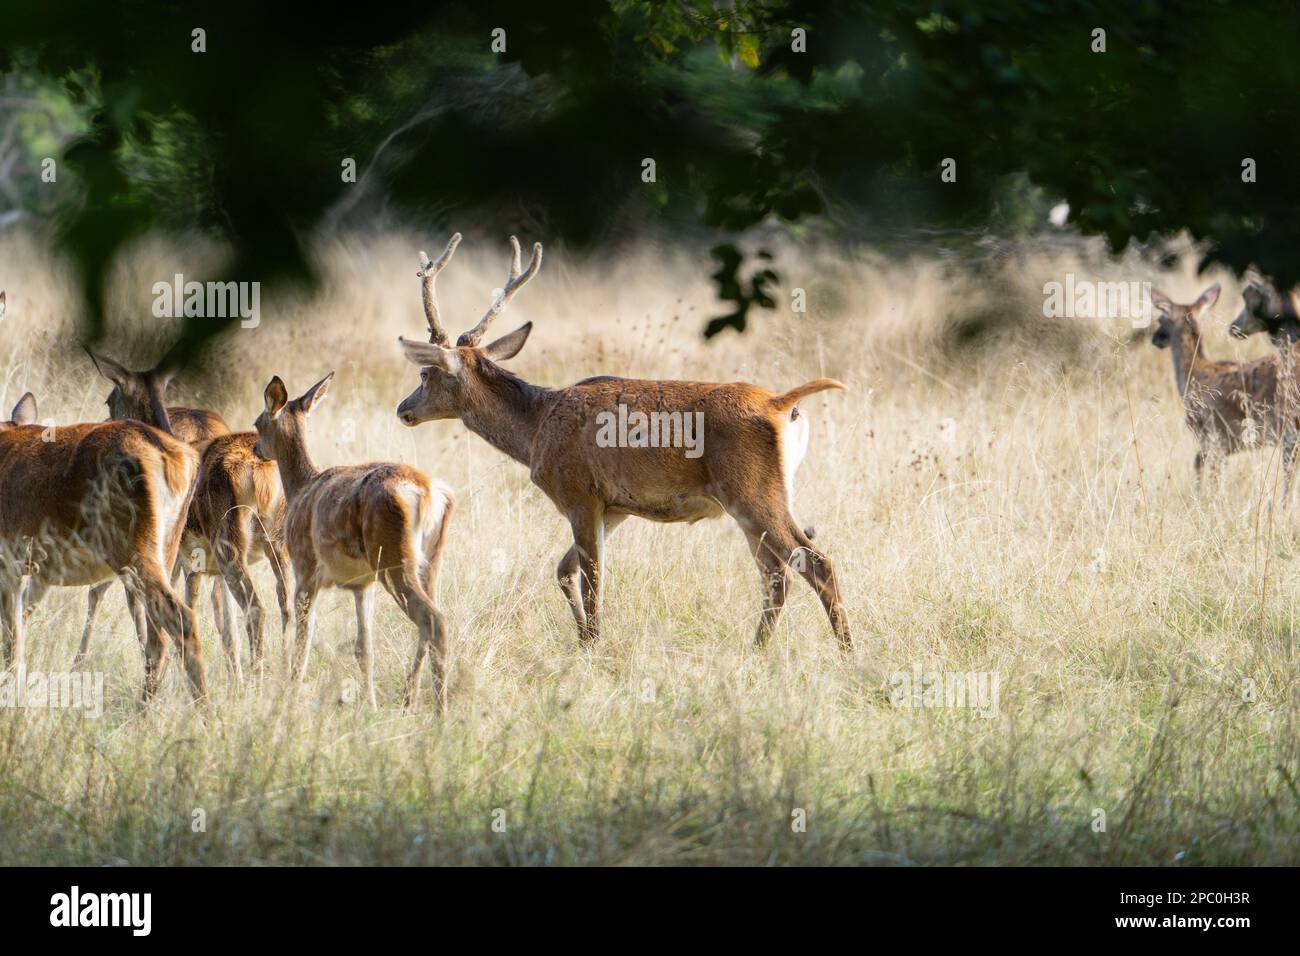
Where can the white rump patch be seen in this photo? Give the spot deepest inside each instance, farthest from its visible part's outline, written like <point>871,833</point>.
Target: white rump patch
<point>427,510</point>
<point>794,445</point>
<point>169,511</point>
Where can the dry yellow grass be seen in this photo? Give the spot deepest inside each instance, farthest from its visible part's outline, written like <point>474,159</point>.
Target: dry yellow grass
<point>1023,507</point>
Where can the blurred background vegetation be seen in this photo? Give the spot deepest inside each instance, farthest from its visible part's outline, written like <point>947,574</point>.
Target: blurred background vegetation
<point>839,130</point>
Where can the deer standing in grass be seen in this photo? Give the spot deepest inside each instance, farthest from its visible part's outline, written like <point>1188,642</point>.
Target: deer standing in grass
<point>235,517</point>
<point>753,441</point>
<point>80,504</point>
<point>352,527</point>
<point>1229,406</point>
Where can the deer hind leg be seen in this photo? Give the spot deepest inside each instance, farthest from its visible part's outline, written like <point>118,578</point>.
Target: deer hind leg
<point>239,583</point>
<point>279,560</point>
<point>776,585</point>
<point>223,609</point>
<point>168,613</point>
<point>786,543</point>
<point>365,649</point>
<point>153,641</point>
<point>135,609</point>
<point>220,605</point>
<point>434,640</point>
<point>93,597</point>
<point>220,612</point>
<point>407,588</point>
<point>231,555</point>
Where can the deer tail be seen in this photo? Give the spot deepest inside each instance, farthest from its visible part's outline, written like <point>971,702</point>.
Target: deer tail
<point>781,402</point>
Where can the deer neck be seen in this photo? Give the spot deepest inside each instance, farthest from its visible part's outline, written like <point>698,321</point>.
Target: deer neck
<point>296,468</point>
<point>505,411</point>
<point>158,416</point>
<point>1188,355</point>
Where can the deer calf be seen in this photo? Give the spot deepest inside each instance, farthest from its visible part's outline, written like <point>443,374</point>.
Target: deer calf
<point>742,464</point>
<point>1229,406</point>
<point>353,526</point>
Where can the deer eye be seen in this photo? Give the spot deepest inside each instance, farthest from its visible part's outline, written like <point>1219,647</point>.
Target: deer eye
<point>424,375</point>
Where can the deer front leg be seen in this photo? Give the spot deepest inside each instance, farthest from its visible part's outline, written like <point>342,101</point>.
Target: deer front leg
<point>304,619</point>
<point>93,597</point>
<point>569,576</point>
<point>1209,470</point>
<point>33,592</point>
<point>11,609</point>
<point>776,585</point>
<point>573,582</point>
<point>589,541</point>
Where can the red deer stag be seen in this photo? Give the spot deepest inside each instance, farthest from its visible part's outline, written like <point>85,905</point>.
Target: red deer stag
<point>567,438</point>
<point>354,525</point>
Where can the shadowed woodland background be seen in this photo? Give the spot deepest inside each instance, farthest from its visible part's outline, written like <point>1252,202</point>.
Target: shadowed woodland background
<point>245,140</point>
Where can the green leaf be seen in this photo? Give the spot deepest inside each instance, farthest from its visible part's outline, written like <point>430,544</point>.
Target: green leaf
<point>749,50</point>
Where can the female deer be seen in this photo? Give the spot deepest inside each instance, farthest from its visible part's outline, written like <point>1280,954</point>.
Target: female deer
<point>1229,406</point>
<point>102,500</point>
<point>353,526</point>
<point>235,518</point>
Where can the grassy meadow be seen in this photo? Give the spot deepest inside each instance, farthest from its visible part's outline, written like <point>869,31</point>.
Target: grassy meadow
<point>1002,494</point>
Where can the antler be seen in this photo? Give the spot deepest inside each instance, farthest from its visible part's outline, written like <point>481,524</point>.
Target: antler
<point>428,275</point>
<point>513,285</point>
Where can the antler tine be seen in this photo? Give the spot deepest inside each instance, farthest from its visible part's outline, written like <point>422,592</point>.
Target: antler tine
<point>514,258</point>
<point>516,281</point>
<point>428,275</point>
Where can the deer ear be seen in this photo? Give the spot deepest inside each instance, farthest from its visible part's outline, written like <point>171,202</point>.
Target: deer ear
<point>169,365</point>
<point>277,396</point>
<point>314,394</point>
<point>1161,301</point>
<point>106,367</point>
<point>1206,300</point>
<point>426,353</point>
<point>508,346</point>
<point>24,412</point>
